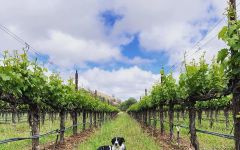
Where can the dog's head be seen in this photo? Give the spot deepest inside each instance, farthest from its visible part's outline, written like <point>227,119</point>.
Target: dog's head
<point>118,141</point>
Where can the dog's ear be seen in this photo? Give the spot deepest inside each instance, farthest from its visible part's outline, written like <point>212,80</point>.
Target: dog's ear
<point>123,140</point>
<point>113,140</point>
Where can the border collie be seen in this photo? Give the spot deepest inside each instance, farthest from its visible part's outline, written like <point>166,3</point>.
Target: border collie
<point>117,144</point>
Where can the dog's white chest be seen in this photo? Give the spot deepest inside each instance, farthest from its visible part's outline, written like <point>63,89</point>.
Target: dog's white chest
<point>119,148</point>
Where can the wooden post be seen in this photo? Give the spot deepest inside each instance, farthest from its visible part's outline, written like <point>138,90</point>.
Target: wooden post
<point>216,115</point>
<point>84,120</point>
<point>90,118</point>
<point>74,121</point>
<point>211,118</point>
<point>171,117</point>
<point>178,115</point>
<point>95,94</point>
<point>103,117</point>
<point>161,108</point>
<point>149,117</point>
<point>99,119</point>
<point>183,114</point>
<point>178,135</point>
<point>95,119</point>
<point>226,114</point>
<point>161,119</point>
<point>62,125</point>
<point>207,113</point>
<point>19,116</point>
<point>95,115</point>
<point>235,82</point>
<point>74,112</point>
<point>43,115</point>
<point>6,117</point>
<point>145,117</point>
<point>14,114</point>
<point>199,112</point>
<point>192,127</point>
<point>76,80</point>
<point>34,109</point>
<point>154,119</point>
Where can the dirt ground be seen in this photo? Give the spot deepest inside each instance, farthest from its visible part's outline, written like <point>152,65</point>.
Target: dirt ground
<point>69,142</point>
<point>165,142</point>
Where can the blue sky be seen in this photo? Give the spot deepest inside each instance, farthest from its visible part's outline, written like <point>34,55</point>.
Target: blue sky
<point>131,49</point>
<point>118,48</point>
<point>134,49</point>
<point>109,18</point>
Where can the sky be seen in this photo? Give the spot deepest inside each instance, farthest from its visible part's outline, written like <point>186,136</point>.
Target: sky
<point>117,46</point>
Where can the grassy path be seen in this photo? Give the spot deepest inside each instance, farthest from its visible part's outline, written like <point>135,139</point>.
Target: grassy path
<point>123,126</point>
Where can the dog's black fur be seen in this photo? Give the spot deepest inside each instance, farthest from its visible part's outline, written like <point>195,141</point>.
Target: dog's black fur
<point>105,148</point>
<point>116,141</point>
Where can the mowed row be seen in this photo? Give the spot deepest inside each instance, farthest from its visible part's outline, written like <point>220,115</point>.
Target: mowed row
<point>123,126</point>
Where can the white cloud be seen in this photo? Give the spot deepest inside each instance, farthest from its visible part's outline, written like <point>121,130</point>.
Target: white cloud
<point>169,26</point>
<point>69,32</point>
<point>72,33</point>
<point>67,50</point>
<point>139,61</point>
<point>162,25</point>
<point>123,83</point>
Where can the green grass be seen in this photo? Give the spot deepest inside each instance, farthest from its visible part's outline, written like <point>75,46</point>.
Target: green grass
<point>123,126</point>
<point>206,142</point>
<point>23,130</point>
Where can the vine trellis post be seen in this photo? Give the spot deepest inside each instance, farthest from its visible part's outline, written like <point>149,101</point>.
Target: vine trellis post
<point>74,112</point>
<point>235,83</point>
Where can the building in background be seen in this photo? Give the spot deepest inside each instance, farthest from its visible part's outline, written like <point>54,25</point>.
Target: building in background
<point>106,98</point>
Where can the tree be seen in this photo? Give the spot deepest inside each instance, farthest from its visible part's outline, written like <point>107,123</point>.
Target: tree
<point>126,104</point>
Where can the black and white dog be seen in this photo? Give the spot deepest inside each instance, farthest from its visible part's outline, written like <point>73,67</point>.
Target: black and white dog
<point>117,144</point>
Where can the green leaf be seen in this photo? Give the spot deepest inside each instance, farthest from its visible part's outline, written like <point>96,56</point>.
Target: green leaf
<point>222,54</point>
<point>222,32</point>
<point>5,77</point>
<point>236,71</point>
